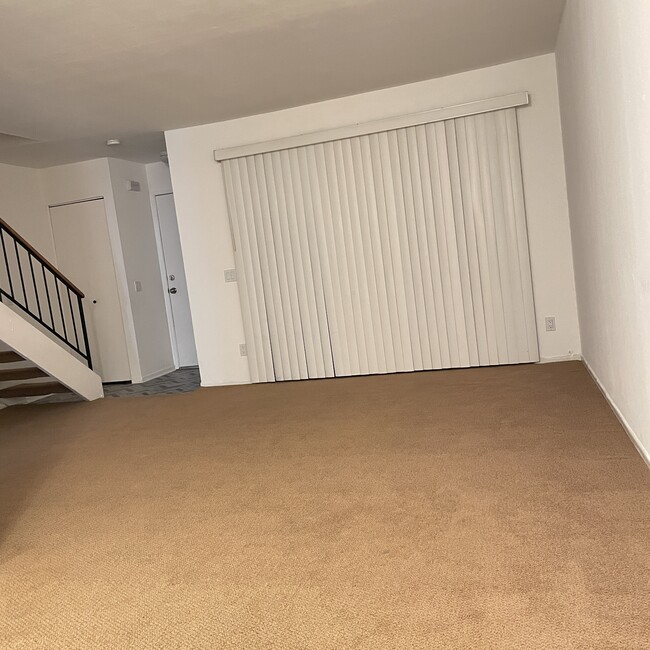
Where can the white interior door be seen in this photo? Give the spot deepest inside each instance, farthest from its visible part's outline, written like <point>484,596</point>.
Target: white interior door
<point>84,255</point>
<point>176,284</point>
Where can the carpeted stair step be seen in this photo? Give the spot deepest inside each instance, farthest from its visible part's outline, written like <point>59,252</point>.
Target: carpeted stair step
<point>9,356</point>
<point>17,374</point>
<point>32,390</point>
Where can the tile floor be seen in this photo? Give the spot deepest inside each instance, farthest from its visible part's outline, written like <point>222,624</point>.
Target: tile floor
<point>183,380</point>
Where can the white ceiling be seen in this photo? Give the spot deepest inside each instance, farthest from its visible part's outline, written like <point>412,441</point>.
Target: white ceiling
<point>75,72</point>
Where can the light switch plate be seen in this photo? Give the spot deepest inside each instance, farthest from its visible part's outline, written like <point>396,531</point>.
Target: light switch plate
<point>230,275</point>
<point>138,286</point>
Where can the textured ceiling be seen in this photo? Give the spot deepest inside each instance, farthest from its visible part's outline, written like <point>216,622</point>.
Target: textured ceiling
<point>73,73</point>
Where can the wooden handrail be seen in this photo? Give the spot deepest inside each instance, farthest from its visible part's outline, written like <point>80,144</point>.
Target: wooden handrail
<point>43,260</point>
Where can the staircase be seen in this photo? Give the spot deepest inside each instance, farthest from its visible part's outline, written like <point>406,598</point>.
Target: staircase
<point>44,347</point>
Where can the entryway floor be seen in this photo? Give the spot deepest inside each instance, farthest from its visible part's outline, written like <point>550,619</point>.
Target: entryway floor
<point>183,380</point>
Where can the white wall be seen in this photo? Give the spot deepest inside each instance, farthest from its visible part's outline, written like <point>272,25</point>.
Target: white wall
<point>202,212</point>
<point>159,178</point>
<point>23,206</point>
<point>141,262</point>
<point>603,62</point>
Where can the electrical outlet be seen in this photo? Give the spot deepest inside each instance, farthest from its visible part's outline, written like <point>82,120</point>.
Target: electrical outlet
<point>550,323</point>
<point>242,350</point>
<point>230,275</point>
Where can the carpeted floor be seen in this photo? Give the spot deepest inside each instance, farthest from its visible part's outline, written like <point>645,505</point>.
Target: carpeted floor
<point>485,508</point>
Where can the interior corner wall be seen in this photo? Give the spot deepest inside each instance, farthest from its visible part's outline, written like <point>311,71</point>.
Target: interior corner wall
<point>159,178</point>
<point>141,262</point>
<point>203,219</point>
<point>23,206</point>
<point>603,66</point>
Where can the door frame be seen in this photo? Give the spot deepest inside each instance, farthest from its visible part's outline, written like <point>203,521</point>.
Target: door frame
<point>120,273</point>
<point>163,276</point>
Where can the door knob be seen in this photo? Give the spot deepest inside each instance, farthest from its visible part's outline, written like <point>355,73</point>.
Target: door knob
<point>173,290</point>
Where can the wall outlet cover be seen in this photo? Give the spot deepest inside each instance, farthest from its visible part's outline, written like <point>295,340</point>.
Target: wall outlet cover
<point>549,321</point>
<point>242,350</point>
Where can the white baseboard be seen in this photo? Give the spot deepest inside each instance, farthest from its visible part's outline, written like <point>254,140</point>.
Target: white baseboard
<point>621,418</point>
<point>157,373</point>
<point>566,357</point>
<point>209,384</point>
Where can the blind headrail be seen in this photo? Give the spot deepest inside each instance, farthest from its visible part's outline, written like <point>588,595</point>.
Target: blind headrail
<point>364,128</point>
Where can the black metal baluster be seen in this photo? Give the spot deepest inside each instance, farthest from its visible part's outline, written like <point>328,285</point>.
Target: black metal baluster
<point>38,302</point>
<point>74,320</point>
<point>47,293</point>
<point>58,295</point>
<point>4,250</point>
<point>20,272</point>
<point>84,331</point>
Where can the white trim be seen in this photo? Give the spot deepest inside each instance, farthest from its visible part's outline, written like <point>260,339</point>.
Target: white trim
<point>565,357</point>
<point>645,454</point>
<point>74,202</point>
<point>211,384</point>
<point>376,126</point>
<point>158,373</point>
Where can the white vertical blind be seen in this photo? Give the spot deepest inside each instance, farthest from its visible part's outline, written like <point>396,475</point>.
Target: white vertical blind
<point>392,251</point>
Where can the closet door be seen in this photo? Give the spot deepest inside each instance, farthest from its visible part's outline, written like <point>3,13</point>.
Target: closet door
<point>394,251</point>
<point>84,254</point>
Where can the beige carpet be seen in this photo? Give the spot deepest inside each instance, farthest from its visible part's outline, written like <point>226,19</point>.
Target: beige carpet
<point>486,508</point>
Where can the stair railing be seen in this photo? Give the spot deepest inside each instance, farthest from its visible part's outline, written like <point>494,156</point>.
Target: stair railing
<point>37,287</point>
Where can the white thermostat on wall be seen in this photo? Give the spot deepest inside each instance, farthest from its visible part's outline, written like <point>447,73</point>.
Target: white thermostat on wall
<point>133,186</point>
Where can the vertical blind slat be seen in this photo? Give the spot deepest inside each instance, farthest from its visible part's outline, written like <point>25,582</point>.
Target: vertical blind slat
<point>306,288</point>
<point>275,255</point>
<point>405,212</point>
<point>522,233</point>
<point>267,260</point>
<point>293,258</point>
<point>458,208</point>
<point>372,311</point>
<point>386,354</point>
<point>419,253</point>
<point>476,290</point>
